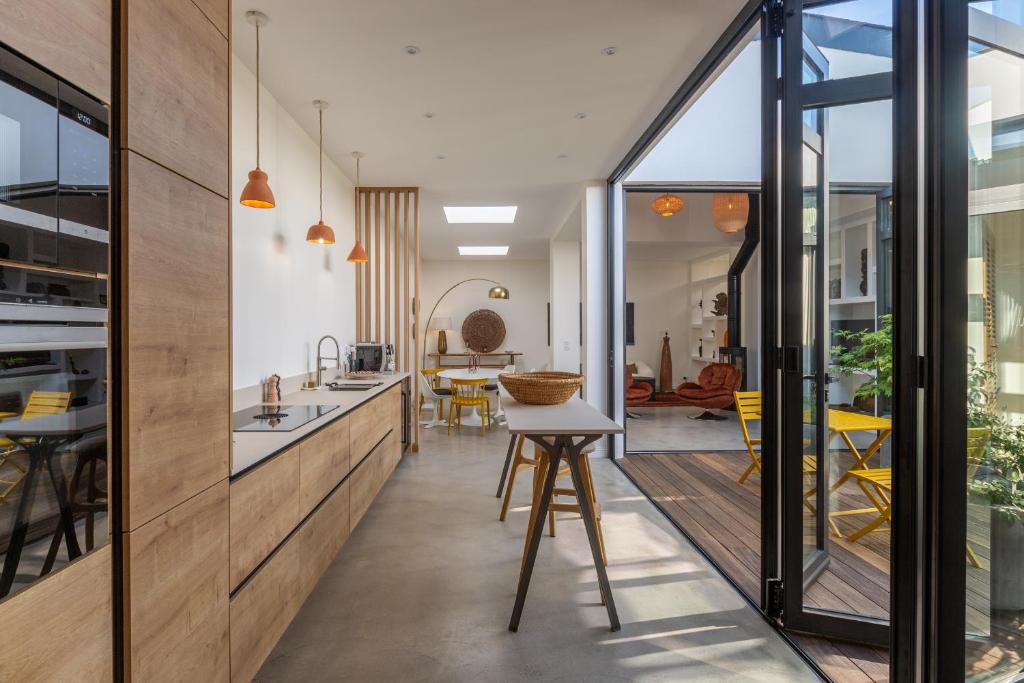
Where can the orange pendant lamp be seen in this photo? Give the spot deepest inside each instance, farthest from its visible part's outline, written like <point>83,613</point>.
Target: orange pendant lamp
<point>256,192</point>
<point>358,254</point>
<point>320,233</point>
<point>729,212</point>
<point>667,205</point>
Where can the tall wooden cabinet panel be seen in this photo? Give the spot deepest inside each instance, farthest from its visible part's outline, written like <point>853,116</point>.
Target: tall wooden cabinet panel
<point>218,12</point>
<point>177,90</point>
<point>177,606</point>
<point>178,368</point>
<point>324,462</point>
<point>323,535</point>
<point>60,629</point>
<point>71,39</point>
<point>264,510</point>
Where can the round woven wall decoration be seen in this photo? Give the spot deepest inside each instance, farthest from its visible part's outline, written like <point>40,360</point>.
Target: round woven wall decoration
<point>483,331</point>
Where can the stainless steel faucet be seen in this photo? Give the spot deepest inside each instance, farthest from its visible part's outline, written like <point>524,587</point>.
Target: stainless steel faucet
<point>320,359</point>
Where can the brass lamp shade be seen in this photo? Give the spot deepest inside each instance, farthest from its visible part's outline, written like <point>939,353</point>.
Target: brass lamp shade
<point>256,192</point>
<point>497,292</point>
<point>667,205</point>
<point>358,254</point>
<point>321,233</point>
<point>729,212</point>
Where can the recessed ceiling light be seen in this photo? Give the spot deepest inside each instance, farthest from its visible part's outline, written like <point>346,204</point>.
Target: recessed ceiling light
<point>483,251</point>
<point>609,51</point>
<point>563,155</point>
<point>411,50</point>
<point>480,214</point>
<point>581,115</point>
<point>429,115</point>
<point>440,157</point>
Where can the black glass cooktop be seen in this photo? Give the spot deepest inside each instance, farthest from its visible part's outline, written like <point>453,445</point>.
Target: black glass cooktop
<point>276,418</point>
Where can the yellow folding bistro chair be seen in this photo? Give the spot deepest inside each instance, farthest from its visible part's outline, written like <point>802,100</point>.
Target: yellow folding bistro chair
<point>748,407</point>
<point>40,403</point>
<point>876,483</point>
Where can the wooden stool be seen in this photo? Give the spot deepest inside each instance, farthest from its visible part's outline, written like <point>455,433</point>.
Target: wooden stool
<point>539,464</point>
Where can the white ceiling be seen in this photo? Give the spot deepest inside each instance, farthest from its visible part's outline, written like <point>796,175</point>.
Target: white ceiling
<point>504,81</point>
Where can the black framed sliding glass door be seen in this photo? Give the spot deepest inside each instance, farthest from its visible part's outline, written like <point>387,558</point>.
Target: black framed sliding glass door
<point>836,362</point>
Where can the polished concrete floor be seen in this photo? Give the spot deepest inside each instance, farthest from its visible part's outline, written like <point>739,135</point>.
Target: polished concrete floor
<point>671,429</point>
<point>423,590</point>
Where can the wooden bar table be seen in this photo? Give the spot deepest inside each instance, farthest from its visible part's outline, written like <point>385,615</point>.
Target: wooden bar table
<point>563,430</point>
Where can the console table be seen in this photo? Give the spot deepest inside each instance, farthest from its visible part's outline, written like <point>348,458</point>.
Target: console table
<point>501,359</point>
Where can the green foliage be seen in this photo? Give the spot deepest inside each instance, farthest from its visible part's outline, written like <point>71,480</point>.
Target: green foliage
<point>1004,461</point>
<point>868,352</point>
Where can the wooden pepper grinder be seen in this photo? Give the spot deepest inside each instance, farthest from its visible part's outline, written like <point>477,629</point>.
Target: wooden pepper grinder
<point>272,390</point>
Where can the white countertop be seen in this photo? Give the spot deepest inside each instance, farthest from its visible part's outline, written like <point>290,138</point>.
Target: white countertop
<point>250,448</point>
<point>574,417</point>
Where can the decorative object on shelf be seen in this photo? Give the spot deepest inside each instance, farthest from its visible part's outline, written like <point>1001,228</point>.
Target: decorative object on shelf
<point>835,288</point>
<point>256,193</point>
<point>358,254</point>
<point>441,325</point>
<point>483,331</point>
<point>667,205</point>
<point>721,304</point>
<point>320,233</point>
<point>541,388</point>
<point>496,292</point>
<point>863,272</point>
<point>730,212</point>
<point>700,348</point>
<point>665,374</point>
<point>725,338</point>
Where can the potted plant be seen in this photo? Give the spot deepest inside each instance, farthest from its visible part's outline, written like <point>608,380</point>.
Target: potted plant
<point>868,353</point>
<point>999,482</point>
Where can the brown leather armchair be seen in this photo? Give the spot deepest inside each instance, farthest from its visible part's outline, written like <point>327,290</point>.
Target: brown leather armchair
<point>713,388</point>
<point>637,393</point>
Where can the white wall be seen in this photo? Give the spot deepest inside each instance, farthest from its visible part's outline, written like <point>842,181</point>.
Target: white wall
<point>565,305</point>
<point>286,293</point>
<point>524,312</point>
<point>660,293</point>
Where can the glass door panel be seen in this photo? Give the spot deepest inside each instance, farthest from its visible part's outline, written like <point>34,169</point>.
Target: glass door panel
<point>994,629</point>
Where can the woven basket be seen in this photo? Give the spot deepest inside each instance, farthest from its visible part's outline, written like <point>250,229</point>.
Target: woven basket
<point>541,388</point>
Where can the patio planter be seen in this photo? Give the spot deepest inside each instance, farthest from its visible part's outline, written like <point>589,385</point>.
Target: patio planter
<point>1007,580</point>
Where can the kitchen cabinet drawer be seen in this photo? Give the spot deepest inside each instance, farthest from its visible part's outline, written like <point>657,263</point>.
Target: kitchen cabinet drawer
<point>323,462</point>
<point>364,482</point>
<point>261,611</point>
<point>322,536</point>
<point>264,509</point>
<point>372,421</point>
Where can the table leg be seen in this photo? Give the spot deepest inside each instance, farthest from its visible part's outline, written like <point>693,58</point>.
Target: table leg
<point>536,531</point>
<point>67,519</point>
<point>20,529</point>
<point>508,462</point>
<point>587,511</point>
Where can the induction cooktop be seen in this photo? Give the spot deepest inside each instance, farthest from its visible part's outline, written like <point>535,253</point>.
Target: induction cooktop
<point>276,418</point>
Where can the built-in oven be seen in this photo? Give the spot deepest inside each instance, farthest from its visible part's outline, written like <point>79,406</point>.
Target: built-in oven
<point>54,323</point>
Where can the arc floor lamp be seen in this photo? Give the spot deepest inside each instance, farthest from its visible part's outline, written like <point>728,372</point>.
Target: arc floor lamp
<point>498,291</point>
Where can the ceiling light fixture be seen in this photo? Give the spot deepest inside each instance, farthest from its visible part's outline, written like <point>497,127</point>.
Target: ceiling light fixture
<point>480,214</point>
<point>483,251</point>
<point>429,115</point>
<point>729,212</point>
<point>321,233</point>
<point>563,155</point>
<point>580,115</point>
<point>440,157</point>
<point>256,192</point>
<point>667,205</point>
<point>358,254</point>
<point>609,51</point>
<point>411,50</point>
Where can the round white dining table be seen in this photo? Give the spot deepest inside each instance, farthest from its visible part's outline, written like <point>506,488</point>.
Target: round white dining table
<point>474,419</point>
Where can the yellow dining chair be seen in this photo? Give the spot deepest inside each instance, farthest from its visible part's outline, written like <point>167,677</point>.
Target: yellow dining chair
<point>40,403</point>
<point>468,393</point>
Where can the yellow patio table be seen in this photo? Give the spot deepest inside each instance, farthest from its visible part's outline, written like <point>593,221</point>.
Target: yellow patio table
<point>842,422</point>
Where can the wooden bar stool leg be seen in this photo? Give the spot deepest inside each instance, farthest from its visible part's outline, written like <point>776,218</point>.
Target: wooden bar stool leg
<point>539,478</point>
<point>588,481</point>
<point>517,462</point>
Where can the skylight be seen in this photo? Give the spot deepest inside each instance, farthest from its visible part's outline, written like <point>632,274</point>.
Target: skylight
<point>483,251</point>
<point>480,214</point>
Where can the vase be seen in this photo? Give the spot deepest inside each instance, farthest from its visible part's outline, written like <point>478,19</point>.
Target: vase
<point>442,342</point>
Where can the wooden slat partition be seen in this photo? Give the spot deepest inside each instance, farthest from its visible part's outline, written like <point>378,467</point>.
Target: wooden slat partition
<point>387,223</point>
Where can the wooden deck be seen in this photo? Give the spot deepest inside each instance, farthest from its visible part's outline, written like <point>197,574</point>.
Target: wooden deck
<point>699,491</point>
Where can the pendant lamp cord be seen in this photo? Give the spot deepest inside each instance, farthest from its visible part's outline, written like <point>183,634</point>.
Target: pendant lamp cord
<point>321,165</point>
<point>257,95</point>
